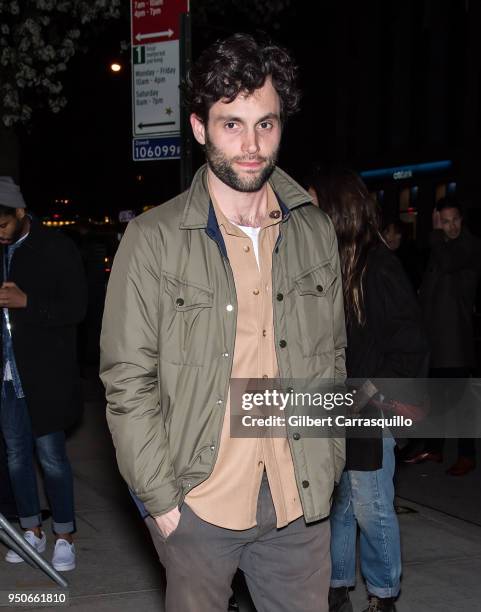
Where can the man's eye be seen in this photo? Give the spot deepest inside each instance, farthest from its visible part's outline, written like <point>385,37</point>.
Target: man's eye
<point>230,125</point>
<point>265,125</point>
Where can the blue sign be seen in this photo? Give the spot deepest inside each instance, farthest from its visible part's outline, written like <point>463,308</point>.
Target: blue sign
<point>403,172</point>
<point>154,149</point>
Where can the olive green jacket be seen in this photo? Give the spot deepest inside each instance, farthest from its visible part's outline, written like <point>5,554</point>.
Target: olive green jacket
<point>168,341</point>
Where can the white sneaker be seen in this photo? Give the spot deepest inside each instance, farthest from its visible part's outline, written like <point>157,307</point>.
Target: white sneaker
<point>38,543</point>
<point>63,558</point>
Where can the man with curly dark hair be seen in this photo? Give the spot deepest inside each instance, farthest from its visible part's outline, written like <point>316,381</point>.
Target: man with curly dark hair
<point>237,278</point>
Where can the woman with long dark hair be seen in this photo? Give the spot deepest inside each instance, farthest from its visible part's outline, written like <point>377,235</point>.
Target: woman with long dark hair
<point>385,340</point>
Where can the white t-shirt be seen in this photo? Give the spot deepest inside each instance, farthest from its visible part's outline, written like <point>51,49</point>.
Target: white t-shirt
<point>253,233</point>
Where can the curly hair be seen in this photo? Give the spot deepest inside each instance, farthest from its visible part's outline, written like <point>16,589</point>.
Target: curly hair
<point>238,64</point>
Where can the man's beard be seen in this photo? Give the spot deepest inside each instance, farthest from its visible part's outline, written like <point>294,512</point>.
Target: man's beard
<point>223,168</point>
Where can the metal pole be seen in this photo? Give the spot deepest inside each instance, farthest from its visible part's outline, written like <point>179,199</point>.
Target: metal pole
<point>14,540</point>
<point>185,131</point>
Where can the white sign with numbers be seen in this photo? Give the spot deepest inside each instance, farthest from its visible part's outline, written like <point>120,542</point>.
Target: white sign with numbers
<point>155,91</point>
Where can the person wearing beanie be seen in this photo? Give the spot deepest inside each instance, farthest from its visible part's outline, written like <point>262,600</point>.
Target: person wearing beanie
<point>42,299</point>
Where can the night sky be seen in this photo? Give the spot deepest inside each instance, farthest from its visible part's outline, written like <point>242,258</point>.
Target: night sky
<point>383,83</point>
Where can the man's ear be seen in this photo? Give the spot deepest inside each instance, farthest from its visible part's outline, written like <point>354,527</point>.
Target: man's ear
<point>198,128</point>
<point>20,213</point>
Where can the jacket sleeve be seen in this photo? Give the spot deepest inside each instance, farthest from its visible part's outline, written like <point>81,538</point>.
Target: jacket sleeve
<point>337,440</point>
<point>128,369</point>
<point>399,327</point>
<point>339,325</point>
<point>63,299</point>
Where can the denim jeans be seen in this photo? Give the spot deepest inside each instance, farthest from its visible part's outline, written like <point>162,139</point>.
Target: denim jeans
<point>365,499</point>
<point>21,445</point>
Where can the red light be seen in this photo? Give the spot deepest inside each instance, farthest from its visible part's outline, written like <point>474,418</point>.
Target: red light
<point>411,210</point>
<point>56,216</point>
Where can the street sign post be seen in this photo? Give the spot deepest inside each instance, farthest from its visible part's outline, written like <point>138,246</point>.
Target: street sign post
<point>156,117</point>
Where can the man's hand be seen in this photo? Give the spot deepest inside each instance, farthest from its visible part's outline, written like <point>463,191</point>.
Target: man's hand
<point>437,220</point>
<point>12,296</point>
<point>168,522</point>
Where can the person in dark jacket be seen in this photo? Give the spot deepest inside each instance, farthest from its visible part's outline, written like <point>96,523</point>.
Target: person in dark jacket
<point>395,234</point>
<point>447,296</point>
<point>385,340</point>
<point>43,298</point>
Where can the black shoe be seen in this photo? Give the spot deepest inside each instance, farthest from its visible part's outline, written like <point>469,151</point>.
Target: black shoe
<point>339,600</point>
<point>380,604</point>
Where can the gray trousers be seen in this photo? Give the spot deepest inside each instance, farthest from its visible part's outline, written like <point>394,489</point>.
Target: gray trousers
<point>286,570</point>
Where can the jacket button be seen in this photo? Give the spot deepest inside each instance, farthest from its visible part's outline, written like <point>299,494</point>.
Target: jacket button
<point>179,302</point>
<point>229,308</point>
<point>225,354</point>
<point>282,343</point>
<point>296,436</point>
<point>219,402</point>
<point>305,484</point>
<point>280,297</point>
<point>319,288</point>
<point>275,214</point>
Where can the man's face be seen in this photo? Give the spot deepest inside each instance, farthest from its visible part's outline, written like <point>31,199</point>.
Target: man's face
<point>451,222</point>
<point>242,138</point>
<point>12,226</point>
<point>393,237</point>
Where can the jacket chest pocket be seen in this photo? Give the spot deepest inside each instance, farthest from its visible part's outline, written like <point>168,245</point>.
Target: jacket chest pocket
<point>186,322</point>
<point>314,308</point>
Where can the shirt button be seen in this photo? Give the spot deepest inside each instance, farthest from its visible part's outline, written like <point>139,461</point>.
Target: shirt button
<point>265,376</point>
<point>179,302</point>
<point>275,214</point>
<point>260,464</point>
<point>319,288</point>
<point>229,308</point>
<point>296,436</point>
<point>264,333</point>
<point>305,484</point>
<point>246,248</point>
<point>279,297</point>
<point>256,292</point>
<point>283,344</point>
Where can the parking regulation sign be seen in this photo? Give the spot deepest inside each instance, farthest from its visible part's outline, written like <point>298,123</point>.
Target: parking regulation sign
<point>155,77</point>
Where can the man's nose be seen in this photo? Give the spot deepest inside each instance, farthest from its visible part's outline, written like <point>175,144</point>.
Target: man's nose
<point>250,144</point>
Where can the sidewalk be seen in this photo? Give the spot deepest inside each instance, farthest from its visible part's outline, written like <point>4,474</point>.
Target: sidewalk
<point>118,568</point>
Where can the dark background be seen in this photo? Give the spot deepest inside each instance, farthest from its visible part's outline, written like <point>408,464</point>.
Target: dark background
<point>384,83</point>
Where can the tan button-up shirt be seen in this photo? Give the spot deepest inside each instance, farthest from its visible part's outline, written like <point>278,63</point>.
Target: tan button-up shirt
<point>228,498</point>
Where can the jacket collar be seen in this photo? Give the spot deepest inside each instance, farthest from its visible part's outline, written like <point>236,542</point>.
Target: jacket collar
<point>197,207</point>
